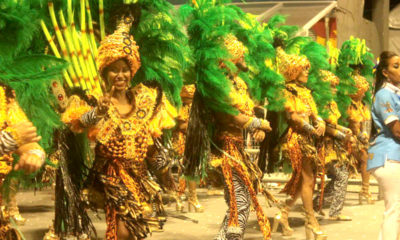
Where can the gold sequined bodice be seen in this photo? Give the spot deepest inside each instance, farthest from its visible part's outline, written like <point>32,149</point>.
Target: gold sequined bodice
<point>240,97</point>
<point>299,100</point>
<point>334,113</point>
<point>358,112</point>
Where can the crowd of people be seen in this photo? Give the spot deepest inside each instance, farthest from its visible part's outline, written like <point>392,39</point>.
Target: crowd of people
<point>105,111</point>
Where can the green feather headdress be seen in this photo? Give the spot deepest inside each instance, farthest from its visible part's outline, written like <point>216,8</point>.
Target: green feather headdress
<point>315,53</point>
<point>209,23</point>
<point>354,54</point>
<point>263,80</point>
<point>26,69</point>
<point>163,45</point>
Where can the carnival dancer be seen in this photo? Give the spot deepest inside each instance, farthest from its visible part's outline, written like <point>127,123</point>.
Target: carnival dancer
<point>140,108</point>
<point>229,59</point>
<point>124,125</point>
<point>299,142</point>
<point>18,136</point>
<point>238,170</point>
<point>355,71</point>
<point>25,76</point>
<point>337,141</point>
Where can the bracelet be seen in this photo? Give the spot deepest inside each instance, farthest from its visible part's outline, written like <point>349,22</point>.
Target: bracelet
<point>252,124</point>
<point>90,118</point>
<point>38,152</point>
<point>15,136</point>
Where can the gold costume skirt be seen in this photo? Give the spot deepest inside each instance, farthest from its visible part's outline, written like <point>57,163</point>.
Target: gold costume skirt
<point>336,152</point>
<point>130,196</point>
<point>297,147</point>
<point>233,158</point>
<point>355,160</point>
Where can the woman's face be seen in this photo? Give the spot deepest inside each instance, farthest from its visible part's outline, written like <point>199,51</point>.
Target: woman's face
<point>118,74</point>
<point>392,73</point>
<point>303,76</point>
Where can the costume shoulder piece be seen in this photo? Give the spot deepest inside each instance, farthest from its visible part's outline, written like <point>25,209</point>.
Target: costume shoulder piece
<point>160,110</point>
<point>240,97</point>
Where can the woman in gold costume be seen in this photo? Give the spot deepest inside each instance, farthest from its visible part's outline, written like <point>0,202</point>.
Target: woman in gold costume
<point>355,70</point>
<point>337,145</point>
<point>125,125</point>
<point>359,118</point>
<point>239,172</point>
<point>17,135</point>
<point>299,142</point>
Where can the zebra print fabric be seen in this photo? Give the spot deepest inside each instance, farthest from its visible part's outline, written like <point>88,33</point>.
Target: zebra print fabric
<point>243,206</point>
<point>7,143</point>
<point>90,118</point>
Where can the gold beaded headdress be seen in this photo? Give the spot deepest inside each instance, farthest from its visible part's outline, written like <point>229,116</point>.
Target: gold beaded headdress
<point>361,84</point>
<point>188,91</point>
<point>117,46</point>
<point>235,48</point>
<point>328,76</point>
<point>291,65</point>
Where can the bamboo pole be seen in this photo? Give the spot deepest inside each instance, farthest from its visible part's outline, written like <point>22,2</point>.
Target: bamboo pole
<point>61,42</point>
<point>84,40</point>
<point>101,15</point>
<point>80,69</point>
<point>93,45</point>
<point>69,12</point>
<point>91,31</point>
<point>55,51</point>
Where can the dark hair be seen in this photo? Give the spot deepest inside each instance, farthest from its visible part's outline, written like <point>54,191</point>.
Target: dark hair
<point>383,64</point>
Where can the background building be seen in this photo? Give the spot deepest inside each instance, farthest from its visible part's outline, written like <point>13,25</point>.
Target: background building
<point>334,21</point>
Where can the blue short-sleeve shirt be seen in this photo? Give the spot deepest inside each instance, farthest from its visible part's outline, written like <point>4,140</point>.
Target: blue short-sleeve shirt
<point>385,110</point>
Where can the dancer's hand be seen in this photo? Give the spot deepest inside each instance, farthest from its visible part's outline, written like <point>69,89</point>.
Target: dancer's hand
<point>265,126</point>
<point>352,140</point>
<point>259,135</point>
<point>319,130</point>
<point>29,162</point>
<point>104,102</point>
<point>26,133</point>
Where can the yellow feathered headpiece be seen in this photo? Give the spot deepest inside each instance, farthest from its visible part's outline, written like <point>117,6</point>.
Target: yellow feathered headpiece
<point>361,84</point>
<point>235,48</point>
<point>188,91</point>
<point>117,46</point>
<point>291,65</point>
<point>328,76</point>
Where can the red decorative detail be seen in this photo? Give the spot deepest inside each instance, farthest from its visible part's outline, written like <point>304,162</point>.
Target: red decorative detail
<point>60,97</point>
<point>55,84</point>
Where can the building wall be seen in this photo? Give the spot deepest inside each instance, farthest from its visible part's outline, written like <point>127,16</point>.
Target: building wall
<point>350,22</point>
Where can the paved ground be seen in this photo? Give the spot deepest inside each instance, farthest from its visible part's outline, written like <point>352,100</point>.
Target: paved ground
<point>38,209</point>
